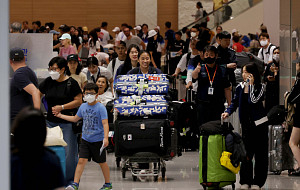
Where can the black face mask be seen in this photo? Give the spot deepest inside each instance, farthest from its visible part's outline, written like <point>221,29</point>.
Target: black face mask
<point>209,60</point>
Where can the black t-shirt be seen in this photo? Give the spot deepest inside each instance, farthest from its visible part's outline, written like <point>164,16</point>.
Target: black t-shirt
<point>177,45</point>
<point>152,46</point>
<point>59,93</point>
<point>55,42</point>
<point>44,173</point>
<point>220,82</point>
<point>19,98</point>
<point>170,36</point>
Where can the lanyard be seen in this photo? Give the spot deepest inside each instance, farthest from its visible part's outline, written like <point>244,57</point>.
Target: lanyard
<point>211,81</point>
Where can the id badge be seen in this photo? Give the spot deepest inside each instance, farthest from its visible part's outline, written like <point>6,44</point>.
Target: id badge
<point>210,91</point>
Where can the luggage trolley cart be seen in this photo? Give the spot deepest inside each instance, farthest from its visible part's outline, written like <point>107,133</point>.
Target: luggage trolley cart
<point>143,135</point>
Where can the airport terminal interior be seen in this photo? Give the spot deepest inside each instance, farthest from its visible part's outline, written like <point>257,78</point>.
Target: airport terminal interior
<point>243,19</point>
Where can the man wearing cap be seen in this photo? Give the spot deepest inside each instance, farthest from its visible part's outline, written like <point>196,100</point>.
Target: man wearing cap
<point>23,85</point>
<point>137,30</point>
<point>132,39</point>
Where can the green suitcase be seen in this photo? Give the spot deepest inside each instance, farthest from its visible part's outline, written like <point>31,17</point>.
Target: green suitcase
<point>211,174</point>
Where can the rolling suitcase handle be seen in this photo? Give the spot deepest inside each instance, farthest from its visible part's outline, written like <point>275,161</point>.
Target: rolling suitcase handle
<point>189,94</point>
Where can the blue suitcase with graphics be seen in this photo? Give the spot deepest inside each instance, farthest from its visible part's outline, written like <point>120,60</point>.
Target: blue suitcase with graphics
<point>144,105</point>
<point>141,84</point>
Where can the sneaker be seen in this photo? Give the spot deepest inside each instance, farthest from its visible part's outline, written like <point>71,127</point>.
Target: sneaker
<point>106,186</point>
<point>244,186</point>
<point>255,187</point>
<point>72,187</point>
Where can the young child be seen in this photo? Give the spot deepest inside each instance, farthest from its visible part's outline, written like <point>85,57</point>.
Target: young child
<point>94,134</point>
<point>248,97</point>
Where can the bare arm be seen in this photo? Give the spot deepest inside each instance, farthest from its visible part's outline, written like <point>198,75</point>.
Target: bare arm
<point>152,60</point>
<point>196,72</point>
<point>35,94</point>
<point>74,104</point>
<point>68,118</point>
<point>106,130</point>
<point>111,81</point>
<point>143,45</point>
<point>227,92</point>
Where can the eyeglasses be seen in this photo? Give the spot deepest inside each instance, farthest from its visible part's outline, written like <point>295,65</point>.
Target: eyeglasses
<point>53,69</point>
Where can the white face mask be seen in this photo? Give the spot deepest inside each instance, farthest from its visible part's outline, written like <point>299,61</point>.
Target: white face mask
<point>89,98</point>
<point>54,75</point>
<point>263,42</point>
<point>276,57</point>
<point>193,34</point>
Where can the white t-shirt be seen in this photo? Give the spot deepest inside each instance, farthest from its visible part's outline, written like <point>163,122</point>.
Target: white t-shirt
<point>117,65</point>
<point>103,72</point>
<point>268,56</point>
<point>121,36</point>
<point>182,63</point>
<point>105,97</point>
<point>81,79</point>
<point>105,38</point>
<point>93,49</point>
<point>101,56</point>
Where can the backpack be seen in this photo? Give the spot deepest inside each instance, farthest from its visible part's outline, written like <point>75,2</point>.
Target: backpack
<point>268,52</point>
<point>113,65</point>
<point>234,144</point>
<point>290,111</point>
<point>276,116</point>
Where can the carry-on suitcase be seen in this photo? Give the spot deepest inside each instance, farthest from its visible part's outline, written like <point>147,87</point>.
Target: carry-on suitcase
<point>142,84</point>
<point>60,152</point>
<point>144,135</point>
<point>280,154</point>
<point>141,105</point>
<point>211,173</point>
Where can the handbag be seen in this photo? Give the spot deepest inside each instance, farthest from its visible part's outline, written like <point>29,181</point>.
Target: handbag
<point>55,137</point>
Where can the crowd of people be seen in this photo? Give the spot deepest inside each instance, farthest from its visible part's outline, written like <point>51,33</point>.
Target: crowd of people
<point>84,71</point>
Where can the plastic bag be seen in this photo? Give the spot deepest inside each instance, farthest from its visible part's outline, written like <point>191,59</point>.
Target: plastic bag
<point>55,137</point>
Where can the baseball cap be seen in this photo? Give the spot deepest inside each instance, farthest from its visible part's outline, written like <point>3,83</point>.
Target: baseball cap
<point>16,54</point>
<point>138,27</point>
<point>158,28</point>
<point>54,32</point>
<point>85,29</point>
<point>72,57</point>
<point>61,26</point>
<point>116,29</point>
<point>65,36</point>
<point>151,33</point>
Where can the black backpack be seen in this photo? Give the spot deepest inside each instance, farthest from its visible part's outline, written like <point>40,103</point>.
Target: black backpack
<point>235,145</point>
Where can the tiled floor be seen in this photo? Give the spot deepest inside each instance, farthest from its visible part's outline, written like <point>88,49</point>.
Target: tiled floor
<point>182,173</point>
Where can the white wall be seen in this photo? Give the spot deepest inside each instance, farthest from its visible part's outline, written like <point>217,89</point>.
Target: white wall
<point>146,12</point>
<point>272,19</point>
<point>247,22</point>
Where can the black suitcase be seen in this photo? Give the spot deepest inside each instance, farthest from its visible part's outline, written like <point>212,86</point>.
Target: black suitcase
<point>144,135</point>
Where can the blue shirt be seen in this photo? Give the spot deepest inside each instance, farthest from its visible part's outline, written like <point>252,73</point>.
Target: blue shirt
<point>92,129</point>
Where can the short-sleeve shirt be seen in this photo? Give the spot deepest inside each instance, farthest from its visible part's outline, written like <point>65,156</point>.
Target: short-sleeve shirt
<point>81,78</point>
<point>19,98</point>
<point>239,47</point>
<point>218,4</point>
<point>64,52</point>
<point>113,71</point>
<point>134,40</point>
<point>44,174</point>
<point>93,48</point>
<point>59,93</point>
<point>92,129</point>
<point>102,71</point>
<point>220,82</point>
<point>265,54</point>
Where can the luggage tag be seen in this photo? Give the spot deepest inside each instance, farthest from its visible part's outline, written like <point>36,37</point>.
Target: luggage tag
<point>210,91</point>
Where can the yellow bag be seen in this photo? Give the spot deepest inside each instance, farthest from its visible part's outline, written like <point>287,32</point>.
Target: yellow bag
<point>225,161</point>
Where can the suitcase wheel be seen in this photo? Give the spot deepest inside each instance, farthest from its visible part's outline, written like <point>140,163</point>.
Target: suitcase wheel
<point>134,178</point>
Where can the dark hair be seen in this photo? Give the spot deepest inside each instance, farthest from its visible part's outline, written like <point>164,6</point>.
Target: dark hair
<point>236,39</point>
<point>38,23</point>
<point>196,27</point>
<point>42,29</point>
<point>277,47</point>
<point>105,80</point>
<point>98,29</point>
<point>252,36</point>
<point>104,24</point>
<point>218,35</point>
<point>225,35</point>
<point>51,25</point>
<point>145,25</point>
<point>29,130</point>
<point>264,35</point>
<point>184,29</point>
<point>203,24</point>
<point>252,68</point>
<point>94,36</point>
<point>143,51</point>
<point>34,22</point>
<point>211,48</point>
<point>219,26</point>
<point>123,43</point>
<point>168,24</point>
<point>92,61</point>
<point>127,63</point>
<point>60,61</point>
<point>90,86</point>
<point>200,45</point>
<point>130,27</point>
<point>77,72</point>
<point>124,24</point>
<point>66,29</point>
<point>26,22</point>
<point>199,4</point>
<point>179,33</point>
